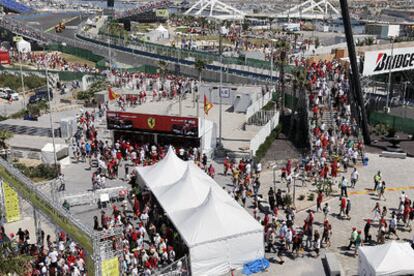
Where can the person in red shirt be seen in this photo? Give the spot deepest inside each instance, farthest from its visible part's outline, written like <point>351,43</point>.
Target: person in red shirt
<point>334,168</point>
<point>319,201</point>
<point>343,206</point>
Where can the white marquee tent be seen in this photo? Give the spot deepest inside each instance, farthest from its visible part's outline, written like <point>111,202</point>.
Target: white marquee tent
<point>391,259</point>
<point>160,33</point>
<point>23,46</point>
<point>219,233</point>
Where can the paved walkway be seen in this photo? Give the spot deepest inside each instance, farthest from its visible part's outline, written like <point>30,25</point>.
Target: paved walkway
<point>397,173</point>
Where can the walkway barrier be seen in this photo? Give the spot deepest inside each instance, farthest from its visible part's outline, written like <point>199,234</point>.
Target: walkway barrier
<point>398,123</point>
<point>180,267</point>
<point>173,59</point>
<point>56,213</point>
<point>79,52</point>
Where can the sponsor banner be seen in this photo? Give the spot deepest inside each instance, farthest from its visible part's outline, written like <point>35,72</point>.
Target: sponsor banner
<point>380,62</point>
<point>162,13</point>
<point>11,203</point>
<point>110,267</point>
<point>182,126</point>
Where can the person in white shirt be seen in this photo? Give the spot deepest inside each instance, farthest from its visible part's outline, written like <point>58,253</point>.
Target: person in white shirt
<point>354,177</point>
<point>53,257</point>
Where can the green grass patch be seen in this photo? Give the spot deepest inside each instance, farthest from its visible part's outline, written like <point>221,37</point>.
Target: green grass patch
<point>261,151</point>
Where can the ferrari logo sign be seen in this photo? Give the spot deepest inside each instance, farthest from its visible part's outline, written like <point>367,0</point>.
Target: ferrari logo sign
<point>151,122</point>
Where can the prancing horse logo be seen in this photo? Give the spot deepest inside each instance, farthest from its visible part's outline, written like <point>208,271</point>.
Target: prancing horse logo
<point>151,122</point>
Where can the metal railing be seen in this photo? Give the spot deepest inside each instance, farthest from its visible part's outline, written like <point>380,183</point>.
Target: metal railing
<point>180,267</point>
<point>42,196</point>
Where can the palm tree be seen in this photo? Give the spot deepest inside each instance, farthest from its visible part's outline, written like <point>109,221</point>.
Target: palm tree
<point>162,69</point>
<point>298,125</point>
<point>4,135</point>
<point>283,47</point>
<point>199,65</point>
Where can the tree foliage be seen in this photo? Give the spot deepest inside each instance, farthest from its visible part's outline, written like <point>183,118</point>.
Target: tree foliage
<point>14,81</point>
<point>12,263</point>
<point>4,136</point>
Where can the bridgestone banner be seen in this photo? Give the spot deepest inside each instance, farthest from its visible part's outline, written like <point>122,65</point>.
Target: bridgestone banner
<point>380,62</point>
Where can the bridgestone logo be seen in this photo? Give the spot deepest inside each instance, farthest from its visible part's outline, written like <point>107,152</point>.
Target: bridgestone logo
<point>386,62</point>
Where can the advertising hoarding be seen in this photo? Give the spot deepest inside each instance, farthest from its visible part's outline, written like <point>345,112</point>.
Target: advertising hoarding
<point>11,203</point>
<point>380,62</point>
<point>181,126</point>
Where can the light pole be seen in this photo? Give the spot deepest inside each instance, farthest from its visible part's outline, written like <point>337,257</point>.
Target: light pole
<point>53,192</point>
<point>22,80</point>
<point>387,109</point>
<point>222,32</point>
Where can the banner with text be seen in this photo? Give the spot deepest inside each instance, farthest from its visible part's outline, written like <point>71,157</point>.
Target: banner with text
<point>11,203</point>
<point>181,126</point>
<point>110,267</point>
<point>380,62</point>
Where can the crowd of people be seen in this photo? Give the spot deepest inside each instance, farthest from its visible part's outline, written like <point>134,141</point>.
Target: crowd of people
<point>47,256</point>
<point>148,240</point>
<point>53,60</point>
<point>145,87</point>
<point>143,8</point>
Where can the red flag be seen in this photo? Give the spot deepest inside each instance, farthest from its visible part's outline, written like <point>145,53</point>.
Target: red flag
<point>112,95</point>
<point>207,105</point>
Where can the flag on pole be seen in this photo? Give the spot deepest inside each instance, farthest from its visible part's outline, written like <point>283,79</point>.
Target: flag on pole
<point>112,95</point>
<point>207,105</point>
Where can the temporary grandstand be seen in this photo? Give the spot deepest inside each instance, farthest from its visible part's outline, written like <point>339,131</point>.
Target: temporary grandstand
<point>14,6</point>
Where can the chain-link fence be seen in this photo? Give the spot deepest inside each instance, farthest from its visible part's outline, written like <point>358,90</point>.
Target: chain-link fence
<point>398,123</point>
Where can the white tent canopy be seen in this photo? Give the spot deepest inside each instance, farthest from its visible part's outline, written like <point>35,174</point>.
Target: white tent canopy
<point>159,33</point>
<point>219,233</point>
<point>23,46</point>
<point>387,259</point>
<point>169,170</point>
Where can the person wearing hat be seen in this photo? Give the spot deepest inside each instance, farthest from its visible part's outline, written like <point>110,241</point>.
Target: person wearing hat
<point>358,242</point>
<point>171,254</point>
<point>367,227</point>
<point>352,240</point>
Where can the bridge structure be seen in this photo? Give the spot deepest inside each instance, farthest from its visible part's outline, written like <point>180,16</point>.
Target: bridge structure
<point>143,9</point>
<point>14,6</point>
<point>312,9</point>
<point>216,9</point>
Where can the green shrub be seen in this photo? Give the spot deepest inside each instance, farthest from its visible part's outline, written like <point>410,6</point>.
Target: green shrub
<point>301,197</point>
<point>43,171</point>
<point>311,197</point>
<point>89,94</point>
<point>15,83</point>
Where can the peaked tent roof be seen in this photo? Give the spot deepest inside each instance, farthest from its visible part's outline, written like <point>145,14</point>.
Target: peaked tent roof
<point>167,171</point>
<point>392,258</point>
<point>161,28</point>
<point>213,220</point>
<point>189,191</point>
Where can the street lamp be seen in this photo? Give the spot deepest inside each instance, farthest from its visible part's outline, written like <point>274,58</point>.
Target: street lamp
<point>222,32</point>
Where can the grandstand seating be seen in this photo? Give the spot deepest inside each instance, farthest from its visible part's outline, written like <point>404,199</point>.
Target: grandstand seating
<point>15,6</point>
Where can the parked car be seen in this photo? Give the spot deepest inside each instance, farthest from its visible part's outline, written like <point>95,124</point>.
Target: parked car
<point>40,95</point>
<point>7,93</point>
<point>13,94</point>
